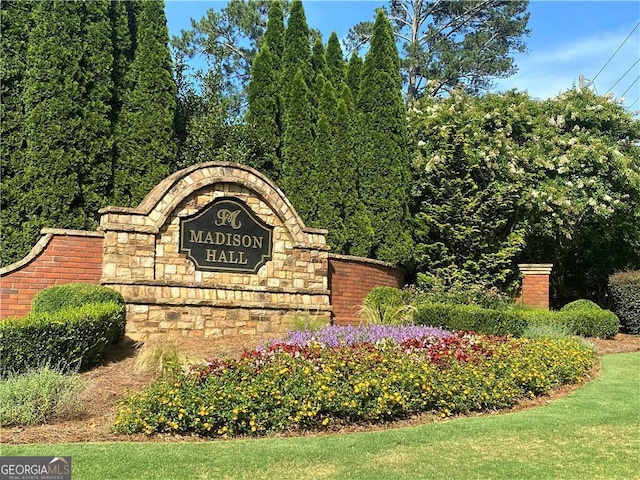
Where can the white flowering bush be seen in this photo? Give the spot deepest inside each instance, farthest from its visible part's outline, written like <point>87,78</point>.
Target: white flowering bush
<point>505,178</point>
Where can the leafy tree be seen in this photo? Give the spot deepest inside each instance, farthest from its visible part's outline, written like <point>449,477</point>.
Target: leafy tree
<point>469,178</point>
<point>146,151</point>
<point>299,170</point>
<point>454,42</point>
<point>384,166</point>
<point>229,40</point>
<point>583,208</point>
<point>503,179</point>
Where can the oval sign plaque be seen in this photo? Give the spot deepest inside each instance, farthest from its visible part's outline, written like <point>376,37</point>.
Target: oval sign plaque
<point>226,237</point>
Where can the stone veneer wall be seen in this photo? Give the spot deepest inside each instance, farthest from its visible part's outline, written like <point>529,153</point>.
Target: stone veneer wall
<point>60,256</point>
<point>165,293</point>
<point>351,278</point>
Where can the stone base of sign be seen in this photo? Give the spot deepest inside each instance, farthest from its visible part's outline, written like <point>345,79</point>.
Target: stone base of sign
<point>165,291</point>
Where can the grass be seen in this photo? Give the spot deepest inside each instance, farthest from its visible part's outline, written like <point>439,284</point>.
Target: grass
<point>592,433</point>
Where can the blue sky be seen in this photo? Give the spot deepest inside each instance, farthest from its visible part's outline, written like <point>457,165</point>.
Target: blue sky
<point>568,39</point>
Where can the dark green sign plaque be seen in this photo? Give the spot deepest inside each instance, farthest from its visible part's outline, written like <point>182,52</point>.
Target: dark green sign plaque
<point>226,237</point>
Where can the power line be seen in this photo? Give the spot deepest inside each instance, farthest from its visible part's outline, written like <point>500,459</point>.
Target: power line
<point>623,75</point>
<point>636,101</point>
<point>637,78</point>
<point>614,53</point>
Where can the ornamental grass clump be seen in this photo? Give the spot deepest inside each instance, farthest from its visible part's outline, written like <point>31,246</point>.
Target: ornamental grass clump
<point>301,387</point>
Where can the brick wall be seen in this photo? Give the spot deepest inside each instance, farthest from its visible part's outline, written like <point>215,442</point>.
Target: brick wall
<point>351,278</point>
<point>61,256</point>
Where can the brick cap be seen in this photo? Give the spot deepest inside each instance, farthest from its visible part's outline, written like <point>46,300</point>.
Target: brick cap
<point>535,268</point>
<point>370,261</point>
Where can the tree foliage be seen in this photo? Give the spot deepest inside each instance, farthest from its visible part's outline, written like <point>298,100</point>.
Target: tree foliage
<point>384,167</point>
<point>146,151</point>
<point>503,179</point>
<point>458,42</point>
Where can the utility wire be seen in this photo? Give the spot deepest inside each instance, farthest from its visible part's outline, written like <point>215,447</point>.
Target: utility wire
<point>614,53</point>
<point>634,82</point>
<point>623,75</point>
<point>636,101</point>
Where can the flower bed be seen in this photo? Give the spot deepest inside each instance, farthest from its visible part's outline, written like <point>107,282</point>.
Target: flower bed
<point>304,386</point>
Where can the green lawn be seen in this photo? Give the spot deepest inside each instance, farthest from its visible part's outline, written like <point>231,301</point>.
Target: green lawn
<point>593,433</point>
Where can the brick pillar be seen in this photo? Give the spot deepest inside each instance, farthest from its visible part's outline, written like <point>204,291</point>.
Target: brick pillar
<point>535,284</point>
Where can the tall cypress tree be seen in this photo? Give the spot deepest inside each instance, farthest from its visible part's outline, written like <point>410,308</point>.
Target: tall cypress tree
<point>54,104</point>
<point>16,24</point>
<point>318,62</point>
<point>146,151</point>
<point>384,167</point>
<point>354,75</point>
<point>274,35</point>
<point>328,167</point>
<point>297,52</point>
<point>264,110</point>
<point>94,135</point>
<point>336,66</point>
<point>298,169</point>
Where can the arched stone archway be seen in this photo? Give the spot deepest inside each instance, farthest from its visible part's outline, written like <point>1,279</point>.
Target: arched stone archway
<point>166,291</point>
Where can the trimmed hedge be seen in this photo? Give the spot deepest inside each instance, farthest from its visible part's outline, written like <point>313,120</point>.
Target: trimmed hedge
<point>68,340</point>
<point>581,304</point>
<point>625,289</point>
<point>585,322</point>
<point>470,318</point>
<point>73,295</point>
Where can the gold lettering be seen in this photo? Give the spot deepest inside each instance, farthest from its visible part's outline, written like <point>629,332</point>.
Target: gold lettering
<point>257,242</point>
<point>236,240</point>
<point>222,258</point>
<point>209,239</point>
<point>219,238</point>
<point>241,259</point>
<point>196,237</point>
<point>211,255</point>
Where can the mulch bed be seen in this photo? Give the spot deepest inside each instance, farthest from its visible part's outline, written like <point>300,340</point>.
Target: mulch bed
<point>109,382</point>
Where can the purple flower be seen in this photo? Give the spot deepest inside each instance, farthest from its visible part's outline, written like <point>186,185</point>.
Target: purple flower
<point>334,336</point>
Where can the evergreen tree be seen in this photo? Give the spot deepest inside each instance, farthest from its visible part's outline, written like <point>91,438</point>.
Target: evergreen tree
<point>384,167</point>
<point>146,151</point>
<point>274,35</point>
<point>297,53</point>
<point>53,101</point>
<point>299,170</point>
<point>354,75</point>
<point>264,110</point>
<point>328,168</point>
<point>335,61</point>
<point>15,240</point>
<point>358,232</point>
<point>318,62</point>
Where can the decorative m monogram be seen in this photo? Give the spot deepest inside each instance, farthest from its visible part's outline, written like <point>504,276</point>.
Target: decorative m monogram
<point>227,217</point>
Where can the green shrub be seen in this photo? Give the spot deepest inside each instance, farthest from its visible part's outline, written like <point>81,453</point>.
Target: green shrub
<point>39,396</point>
<point>56,298</point>
<point>386,306</point>
<point>625,290</point>
<point>587,323</point>
<point>310,388</point>
<point>546,330</point>
<point>431,289</point>
<point>581,304</point>
<point>70,339</point>
<point>470,318</point>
